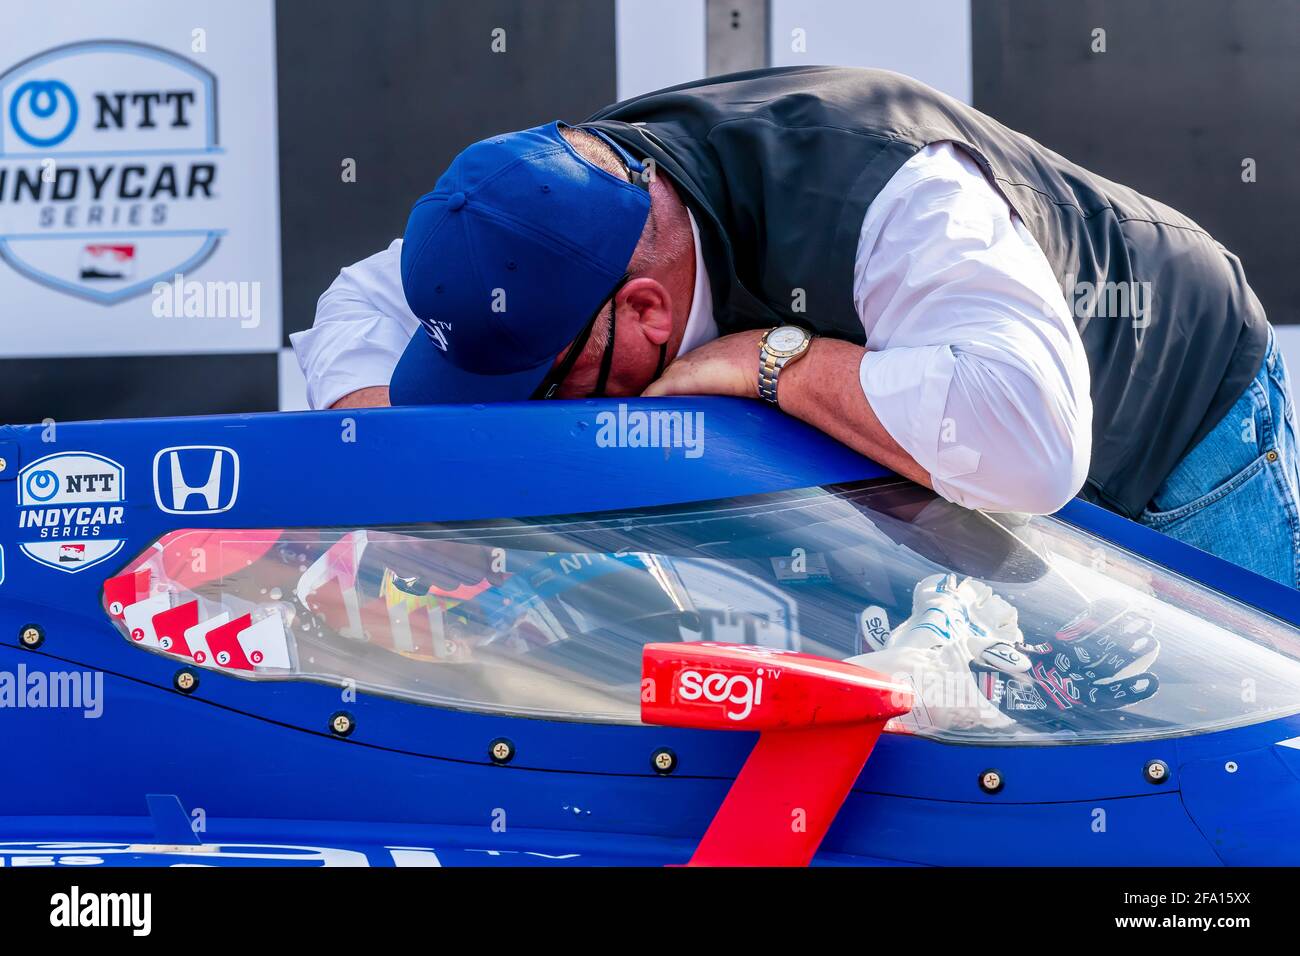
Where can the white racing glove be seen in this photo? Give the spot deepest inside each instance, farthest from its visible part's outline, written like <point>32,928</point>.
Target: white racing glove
<point>953,625</point>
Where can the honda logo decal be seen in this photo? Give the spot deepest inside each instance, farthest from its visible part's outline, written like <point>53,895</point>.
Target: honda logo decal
<point>196,479</point>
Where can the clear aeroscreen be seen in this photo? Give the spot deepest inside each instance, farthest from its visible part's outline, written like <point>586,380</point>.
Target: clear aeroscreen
<point>1010,630</point>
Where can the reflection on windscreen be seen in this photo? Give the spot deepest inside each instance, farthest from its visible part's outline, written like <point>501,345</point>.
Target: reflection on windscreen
<point>1008,629</point>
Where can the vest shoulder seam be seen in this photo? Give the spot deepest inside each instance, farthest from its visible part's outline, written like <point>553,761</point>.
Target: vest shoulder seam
<point>884,137</point>
<point>1106,208</point>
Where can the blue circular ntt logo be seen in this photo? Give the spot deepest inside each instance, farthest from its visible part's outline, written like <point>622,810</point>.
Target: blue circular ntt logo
<point>42,485</point>
<point>42,99</point>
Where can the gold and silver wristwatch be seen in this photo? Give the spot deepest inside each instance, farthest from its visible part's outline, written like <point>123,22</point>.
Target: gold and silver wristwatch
<point>779,347</point>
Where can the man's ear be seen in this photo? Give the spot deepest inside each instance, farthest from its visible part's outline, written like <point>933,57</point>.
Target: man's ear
<point>652,305</point>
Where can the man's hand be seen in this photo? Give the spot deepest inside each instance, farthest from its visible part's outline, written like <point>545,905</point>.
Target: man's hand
<point>376,396</point>
<point>725,366</point>
<point>822,389</point>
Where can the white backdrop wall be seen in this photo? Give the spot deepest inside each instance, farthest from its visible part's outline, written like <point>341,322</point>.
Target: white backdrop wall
<point>661,42</point>
<point>929,40</point>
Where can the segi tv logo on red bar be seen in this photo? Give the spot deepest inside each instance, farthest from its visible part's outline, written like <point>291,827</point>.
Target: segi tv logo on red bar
<point>739,689</point>
<point>747,687</point>
<point>710,684</point>
<point>818,720</point>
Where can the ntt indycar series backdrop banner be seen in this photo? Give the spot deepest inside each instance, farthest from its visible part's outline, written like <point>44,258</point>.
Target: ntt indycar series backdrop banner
<point>138,178</point>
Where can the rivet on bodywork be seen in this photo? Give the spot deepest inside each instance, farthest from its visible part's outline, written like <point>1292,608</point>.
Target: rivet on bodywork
<point>663,761</point>
<point>991,781</point>
<point>1156,771</point>
<point>342,724</point>
<point>31,636</point>
<point>185,680</point>
<point>501,750</point>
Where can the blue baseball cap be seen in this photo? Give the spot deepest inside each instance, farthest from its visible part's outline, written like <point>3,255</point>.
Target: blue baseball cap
<point>507,261</point>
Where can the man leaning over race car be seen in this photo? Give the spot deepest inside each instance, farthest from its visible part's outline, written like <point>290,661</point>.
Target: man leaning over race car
<point>912,254</point>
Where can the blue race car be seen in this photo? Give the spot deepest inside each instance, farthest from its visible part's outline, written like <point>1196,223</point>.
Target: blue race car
<point>594,633</point>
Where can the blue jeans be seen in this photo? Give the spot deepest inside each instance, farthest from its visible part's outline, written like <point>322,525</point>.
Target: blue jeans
<point>1237,493</point>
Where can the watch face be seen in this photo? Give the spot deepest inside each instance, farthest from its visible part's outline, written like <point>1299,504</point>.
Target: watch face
<point>786,339</point>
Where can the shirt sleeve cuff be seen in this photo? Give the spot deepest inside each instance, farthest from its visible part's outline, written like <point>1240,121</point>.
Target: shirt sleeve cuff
<point>908,392</point>
<point>363,369</point>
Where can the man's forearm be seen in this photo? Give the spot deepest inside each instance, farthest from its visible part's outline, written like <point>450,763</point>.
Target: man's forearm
<point>375,396</point>
<point>823,389</point>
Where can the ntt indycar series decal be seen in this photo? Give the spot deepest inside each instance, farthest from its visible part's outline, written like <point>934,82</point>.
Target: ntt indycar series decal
<point>70,510</point>
<point>109,163</point>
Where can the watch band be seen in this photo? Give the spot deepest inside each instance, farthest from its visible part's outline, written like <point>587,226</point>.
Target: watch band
<point>769,368</point>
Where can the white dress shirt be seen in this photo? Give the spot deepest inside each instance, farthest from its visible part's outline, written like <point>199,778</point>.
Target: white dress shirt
<point>973,363</point>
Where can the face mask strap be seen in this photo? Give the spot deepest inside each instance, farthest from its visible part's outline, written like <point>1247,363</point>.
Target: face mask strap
<point>557,375</point>
<point>555,378</point>
<point>607,360</point>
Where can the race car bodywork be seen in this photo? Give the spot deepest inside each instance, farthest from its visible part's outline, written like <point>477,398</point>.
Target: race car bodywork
<point>415,637</point>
